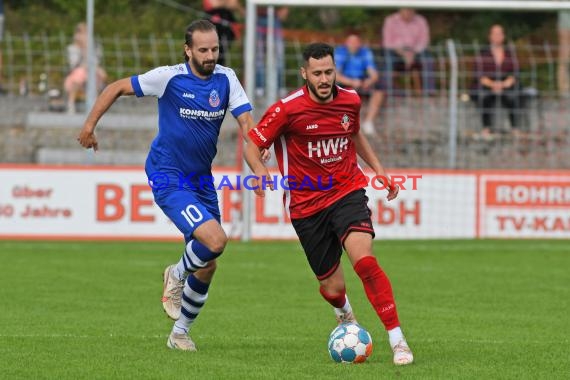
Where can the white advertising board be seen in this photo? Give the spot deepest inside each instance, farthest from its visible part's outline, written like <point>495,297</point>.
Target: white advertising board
<point>530,206</point>
<point>50,202</point>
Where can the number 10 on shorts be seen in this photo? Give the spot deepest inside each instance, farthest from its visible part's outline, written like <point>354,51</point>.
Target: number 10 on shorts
<point>192,214</point>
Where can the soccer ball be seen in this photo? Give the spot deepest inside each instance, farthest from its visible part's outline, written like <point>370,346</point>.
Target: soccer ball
<point>350,343</point>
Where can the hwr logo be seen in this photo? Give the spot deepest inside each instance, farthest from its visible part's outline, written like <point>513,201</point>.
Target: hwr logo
<point>327,147</point>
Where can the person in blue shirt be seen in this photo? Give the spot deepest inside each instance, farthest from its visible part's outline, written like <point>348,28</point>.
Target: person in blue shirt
<point>193,98</point>
<point>355,68</point>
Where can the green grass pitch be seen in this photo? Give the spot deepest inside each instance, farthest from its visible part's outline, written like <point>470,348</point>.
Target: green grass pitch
<point>470,309</point>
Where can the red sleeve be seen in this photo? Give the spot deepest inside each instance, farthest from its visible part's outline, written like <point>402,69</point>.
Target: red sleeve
<point>270,127</point>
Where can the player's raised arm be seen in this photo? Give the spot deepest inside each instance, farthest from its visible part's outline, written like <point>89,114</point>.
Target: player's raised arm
<point>104,101</point>
<point>364,151</point>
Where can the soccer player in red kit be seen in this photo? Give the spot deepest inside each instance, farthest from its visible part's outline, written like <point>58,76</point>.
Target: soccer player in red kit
<point>316,132</point>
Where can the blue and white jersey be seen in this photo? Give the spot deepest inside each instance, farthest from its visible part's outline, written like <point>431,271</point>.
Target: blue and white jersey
<point>190,114</point>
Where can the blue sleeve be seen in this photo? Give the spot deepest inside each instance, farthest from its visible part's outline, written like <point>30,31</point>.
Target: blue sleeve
<point>369,59</point>
<point>339,58</point>
<point>241,109</point>
<point>136,86</point>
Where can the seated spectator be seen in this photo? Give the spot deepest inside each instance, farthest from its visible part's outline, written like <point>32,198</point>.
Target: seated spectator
<point>496,82</point>
<point>77,59</point>
<point>405,38</point>
<point>355,68</point>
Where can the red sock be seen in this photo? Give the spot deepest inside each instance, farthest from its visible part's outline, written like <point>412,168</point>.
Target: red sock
<point>336,301</point>
<point>378,290</point>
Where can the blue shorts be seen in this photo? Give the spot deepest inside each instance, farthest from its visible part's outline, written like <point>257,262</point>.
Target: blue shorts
<point>187,209</point>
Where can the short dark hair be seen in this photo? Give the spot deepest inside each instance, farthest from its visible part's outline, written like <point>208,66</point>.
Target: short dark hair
<point>317,50</point>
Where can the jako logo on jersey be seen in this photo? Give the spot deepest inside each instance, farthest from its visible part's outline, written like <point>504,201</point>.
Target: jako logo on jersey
<point>345,122</point>
<point>312,126</point>
<point>214,98</point>
<point>191,113</point>
<point>188,95</point>
<point>261,137</point>
<point>327,147</point>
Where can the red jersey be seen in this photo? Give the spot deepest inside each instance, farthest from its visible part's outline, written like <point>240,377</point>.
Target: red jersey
<point>314,148</point>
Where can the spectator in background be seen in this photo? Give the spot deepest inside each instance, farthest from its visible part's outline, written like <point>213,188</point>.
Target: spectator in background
<point>222,15</point>
<point>77,60</point>
<point>355,68</point>
<point>405,38</point>
<point>281,15</point>
<point>497,83</point>
<point>563,53</point>
<point>1,37</point>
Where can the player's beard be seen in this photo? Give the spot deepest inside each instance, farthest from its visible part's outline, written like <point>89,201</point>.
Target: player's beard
<point>205,68</point>
<point>315,92</point>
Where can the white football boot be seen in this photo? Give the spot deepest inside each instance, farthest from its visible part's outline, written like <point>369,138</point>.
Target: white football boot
<point>180,342</point>
<point>172,293</point>
<point>345,317</point>
<point>402,353</point>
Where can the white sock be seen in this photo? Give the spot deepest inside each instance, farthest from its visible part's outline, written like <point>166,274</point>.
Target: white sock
<point>395,336</point>
<point>178,274</point>
<point>189,262</point>
<point>345,309</point>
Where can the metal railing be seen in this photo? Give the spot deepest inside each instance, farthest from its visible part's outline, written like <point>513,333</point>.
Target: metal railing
<point>439,130</point>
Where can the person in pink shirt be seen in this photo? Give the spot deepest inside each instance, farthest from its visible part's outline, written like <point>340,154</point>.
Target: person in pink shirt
<point>405,39</point>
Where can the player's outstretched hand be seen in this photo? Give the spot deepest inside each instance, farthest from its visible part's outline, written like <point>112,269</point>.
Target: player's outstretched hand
<point>393,191</point>
<point>262,182</point>
<point>87,139</point>
<point>265,155</point>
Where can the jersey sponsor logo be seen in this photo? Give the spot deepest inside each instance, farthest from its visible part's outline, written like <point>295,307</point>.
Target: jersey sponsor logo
<point>330,159</point>
<point>188,95</point>
<point>345,122</point>
<point>189,113</point>
<point>327,147</point>
<point>214,99</point>
<point>312,126</point>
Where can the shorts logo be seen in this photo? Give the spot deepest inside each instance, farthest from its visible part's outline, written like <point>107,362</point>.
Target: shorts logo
<point>214,98</point>
<point>345,122</point>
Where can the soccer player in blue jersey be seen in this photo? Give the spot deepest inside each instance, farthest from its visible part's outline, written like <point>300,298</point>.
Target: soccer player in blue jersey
<point>193,98</point>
